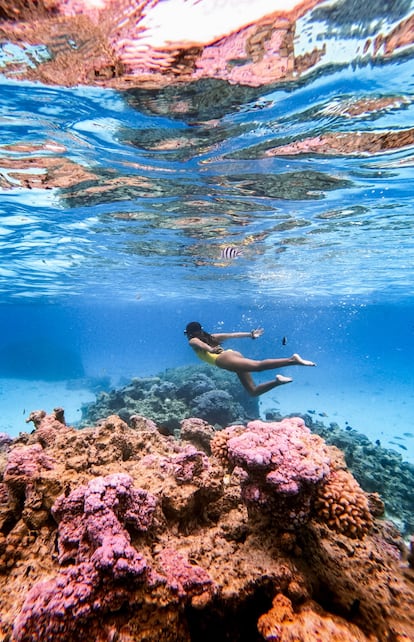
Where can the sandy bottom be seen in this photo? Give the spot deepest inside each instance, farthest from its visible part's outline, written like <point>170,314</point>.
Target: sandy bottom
<point>18,398</point>
<point>384,414</point>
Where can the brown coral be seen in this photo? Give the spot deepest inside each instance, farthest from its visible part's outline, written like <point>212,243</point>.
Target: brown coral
<point>343,506</point>
<point>218,444</point>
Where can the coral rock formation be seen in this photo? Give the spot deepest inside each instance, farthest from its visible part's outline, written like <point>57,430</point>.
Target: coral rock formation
<point>284,463</point>
<point>116,532</point>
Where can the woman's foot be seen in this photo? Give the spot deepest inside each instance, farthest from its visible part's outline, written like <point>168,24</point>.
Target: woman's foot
<point>281,380</point>
<point>297,359</point>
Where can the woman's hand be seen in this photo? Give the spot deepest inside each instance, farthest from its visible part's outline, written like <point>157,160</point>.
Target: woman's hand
<point>216,350</point>
<point>257,333</point>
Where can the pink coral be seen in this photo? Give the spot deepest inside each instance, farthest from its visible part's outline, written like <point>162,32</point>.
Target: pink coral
<point>92,533</point>
<point>183,577</point>
<point>284,462</point>
<point>22,474</point>
<point>25,463</point>
<point>189,463</point>
<point>47,426</point>
<point>96,516</point>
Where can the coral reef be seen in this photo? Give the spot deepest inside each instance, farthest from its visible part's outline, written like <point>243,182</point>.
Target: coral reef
<point>377,469</point>
<point>213,395</point>
<point>116,532</point>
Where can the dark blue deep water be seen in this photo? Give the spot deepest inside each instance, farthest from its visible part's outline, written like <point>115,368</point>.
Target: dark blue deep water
<point>115,209</point>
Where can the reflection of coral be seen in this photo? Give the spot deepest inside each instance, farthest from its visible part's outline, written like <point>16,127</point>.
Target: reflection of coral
<point>112,44</point>
<point>33,169</point>
<point>347,143</point>
<point>281,623</point>
<point>137,43</point>
<point>343,506</point>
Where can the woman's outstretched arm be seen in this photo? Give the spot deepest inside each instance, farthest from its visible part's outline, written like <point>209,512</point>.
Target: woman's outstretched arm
<point>223,336</point>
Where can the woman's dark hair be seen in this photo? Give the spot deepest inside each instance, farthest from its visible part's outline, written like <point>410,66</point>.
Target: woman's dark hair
<point>194,329</point>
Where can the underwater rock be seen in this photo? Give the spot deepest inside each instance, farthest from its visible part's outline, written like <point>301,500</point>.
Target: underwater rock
<point>174,395</point>
<point>5,441</point>
<point>116,532</point>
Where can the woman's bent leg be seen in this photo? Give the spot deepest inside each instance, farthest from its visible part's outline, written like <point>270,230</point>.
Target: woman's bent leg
<point>247,381</point>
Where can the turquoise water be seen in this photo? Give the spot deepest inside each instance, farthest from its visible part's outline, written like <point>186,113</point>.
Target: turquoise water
<point>115,208</point>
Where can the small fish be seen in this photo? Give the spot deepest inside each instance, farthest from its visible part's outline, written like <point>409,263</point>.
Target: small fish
<point>377,442</point>
<point>322,414</point>
<point>284,341</point>
<point>402,446</point>
<point>230,252</point>
<point>408,434</point>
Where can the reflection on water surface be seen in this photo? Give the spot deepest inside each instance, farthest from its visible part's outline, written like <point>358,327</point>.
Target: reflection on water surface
<point>285,132</point>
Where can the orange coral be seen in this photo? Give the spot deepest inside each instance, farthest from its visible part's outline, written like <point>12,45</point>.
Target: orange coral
<point>270,624</point>
<point>343,506</point>
<point>311,623</point>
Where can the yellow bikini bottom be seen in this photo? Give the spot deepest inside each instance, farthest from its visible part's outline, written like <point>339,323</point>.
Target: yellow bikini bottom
<point>210,357</point>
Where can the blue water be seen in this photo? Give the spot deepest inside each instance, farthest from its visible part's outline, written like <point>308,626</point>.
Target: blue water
<point>114,209</point>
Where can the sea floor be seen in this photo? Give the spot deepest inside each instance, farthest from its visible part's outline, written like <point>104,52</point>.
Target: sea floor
<point>384,414</point>
<point>19,397</point>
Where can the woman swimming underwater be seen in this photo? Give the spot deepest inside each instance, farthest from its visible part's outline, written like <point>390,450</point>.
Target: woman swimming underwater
<point>208,348</point>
